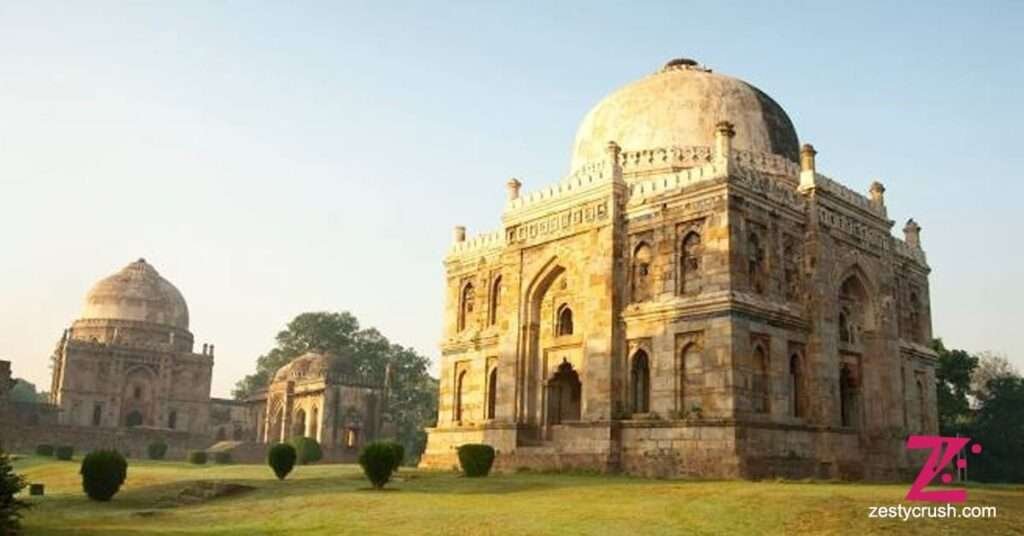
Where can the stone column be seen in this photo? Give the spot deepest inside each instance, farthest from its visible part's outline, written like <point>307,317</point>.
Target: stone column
<point>807,166</point>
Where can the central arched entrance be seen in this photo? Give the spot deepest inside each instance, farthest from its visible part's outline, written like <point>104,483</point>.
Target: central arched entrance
<point>133,419</point>
<point>563,395</point>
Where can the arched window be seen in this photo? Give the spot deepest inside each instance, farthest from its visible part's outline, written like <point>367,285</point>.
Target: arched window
<point>222,434</point>
<point>492,392</point>
<point>492,313</point>
<point>847,397</point>
<point>564,326</point>
<point>761,380</point>
<point>641,272</point>
<point>466,300</point>
<point>854,310</point>
<point>689,264</point>
<point>641,382</point>
<point>755,263</point>
<point>299,426</point>
<point>137,392</point>
<point>236,435</point>
<point>97,414</point>
<point>460,385</point>
<point>314,423</point>
<point>795,403</point>
<point>172,420</point>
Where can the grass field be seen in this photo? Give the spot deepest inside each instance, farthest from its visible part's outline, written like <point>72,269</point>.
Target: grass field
<point>334,499</point>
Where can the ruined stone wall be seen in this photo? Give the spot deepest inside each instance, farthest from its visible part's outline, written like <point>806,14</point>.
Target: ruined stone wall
<point>133,442</point>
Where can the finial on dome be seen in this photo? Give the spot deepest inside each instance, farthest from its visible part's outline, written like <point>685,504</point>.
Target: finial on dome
<point>141,260</point>
<point>683,64</point>
<point>459,234</point>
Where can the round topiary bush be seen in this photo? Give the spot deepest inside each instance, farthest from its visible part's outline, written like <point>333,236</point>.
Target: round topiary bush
<point>44,450</point>
<point>157,450</point>
<point>307,450</point>
<point>281,458</point>
<point>476,459</point>
<point>397,455</point>
<point>103,472</point>
<point>379,461</point>
<point>221,457</point>
<point>64,452</point>
<point>197,457</point>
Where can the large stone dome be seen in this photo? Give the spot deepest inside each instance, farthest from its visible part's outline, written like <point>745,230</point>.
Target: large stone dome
<point>312,366</point>
<point>137,293</point>
<point>680,106</point>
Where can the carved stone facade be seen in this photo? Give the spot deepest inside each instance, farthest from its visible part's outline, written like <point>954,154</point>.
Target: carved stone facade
<point>320,396</point>
<point>128,360</point>
<point>711,306</point>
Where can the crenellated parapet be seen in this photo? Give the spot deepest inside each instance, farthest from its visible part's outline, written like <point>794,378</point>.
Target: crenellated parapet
<point>476,245</point>
<point>848,195</point>
<point>663,158</point>
<point>587,177</point>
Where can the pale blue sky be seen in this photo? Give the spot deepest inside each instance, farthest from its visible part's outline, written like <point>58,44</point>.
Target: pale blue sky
<point>272,159</point>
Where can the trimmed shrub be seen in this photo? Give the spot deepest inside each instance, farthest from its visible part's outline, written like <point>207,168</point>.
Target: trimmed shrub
<point>65,452</point>
<point>157,450</point>
<point>281,458</point>
<point>397,455</point>
<point>197,457</point>
<point>222,457</point>
<point>307,450</point>
<point>379,461</point>
<point>44,450</point>
<point>11,484</point>
<point>103,472</point>
<point>476,459</point>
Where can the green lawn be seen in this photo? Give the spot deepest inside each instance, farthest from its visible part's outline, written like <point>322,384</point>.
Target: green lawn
<point>334,499</point>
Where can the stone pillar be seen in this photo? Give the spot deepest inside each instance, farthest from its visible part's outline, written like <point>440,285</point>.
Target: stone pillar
<point>286,414</point>
<point>877,195</point>
<point>807,167</point>
<point>912,234</point>
<point>613,151</point>
<point>512,188</point>
<point>724,133</point>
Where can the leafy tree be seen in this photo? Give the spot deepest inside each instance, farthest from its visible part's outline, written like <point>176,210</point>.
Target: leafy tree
<point>999,428</point>
<point>412,401</point>
<point>11,484</point>
<point>953,376</point>
<point>990,367</point>
<point>25,391</point>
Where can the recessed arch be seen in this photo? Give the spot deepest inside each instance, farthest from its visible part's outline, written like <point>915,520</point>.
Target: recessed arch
<point>460,387</point>
<point>640,382</point>
<point>690,251</point>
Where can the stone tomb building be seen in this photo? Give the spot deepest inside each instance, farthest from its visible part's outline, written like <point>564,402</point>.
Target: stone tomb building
<point>128,360</point>
<point>320,395</point>
<point>694,298</point>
